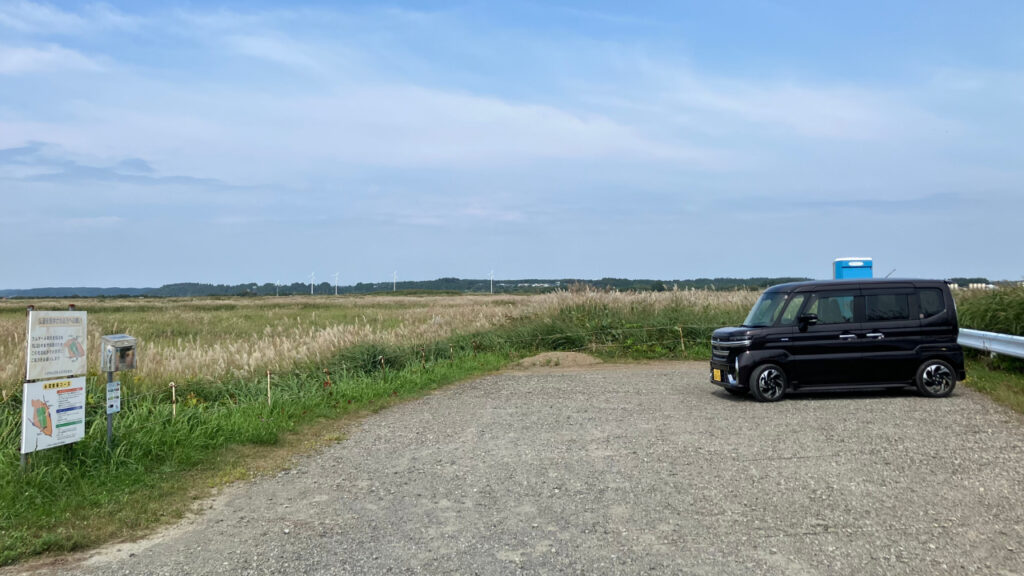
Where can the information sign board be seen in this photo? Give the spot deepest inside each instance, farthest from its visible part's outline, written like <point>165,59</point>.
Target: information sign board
<point>56,344</point>
<point>53,413</point>
<point>113,397</point>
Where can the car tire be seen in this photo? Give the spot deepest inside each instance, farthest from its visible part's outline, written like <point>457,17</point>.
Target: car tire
<point>768,382</point>
<point>738,391</point>
<point>935,379</point>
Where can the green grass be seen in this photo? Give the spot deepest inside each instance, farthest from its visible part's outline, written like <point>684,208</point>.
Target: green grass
<point>1004,386</point>
<point>1002,311</point>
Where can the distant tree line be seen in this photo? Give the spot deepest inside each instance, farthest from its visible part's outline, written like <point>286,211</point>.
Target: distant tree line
<point>450,285</point>
<point>458,285</point>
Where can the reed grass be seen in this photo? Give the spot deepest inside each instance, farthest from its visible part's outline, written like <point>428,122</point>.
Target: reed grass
<point>185,339</point>
<point>1000,310</point>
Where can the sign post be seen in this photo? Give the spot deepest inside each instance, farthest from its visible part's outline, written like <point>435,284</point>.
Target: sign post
<point>117,353</point>
<point>53,398</point>
<point>113,405</point>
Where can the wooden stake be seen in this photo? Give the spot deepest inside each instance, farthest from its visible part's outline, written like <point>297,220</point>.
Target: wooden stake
<point>682,343</point>
<point>174,400</point>
<point>268,387</point>
<point>423,360</point>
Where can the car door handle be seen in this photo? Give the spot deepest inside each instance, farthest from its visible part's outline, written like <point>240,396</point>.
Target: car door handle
<point>875,335</point>
<point>847,336</point>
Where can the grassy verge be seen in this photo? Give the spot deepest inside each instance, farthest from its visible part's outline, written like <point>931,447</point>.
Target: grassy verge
<point>1004,385</point>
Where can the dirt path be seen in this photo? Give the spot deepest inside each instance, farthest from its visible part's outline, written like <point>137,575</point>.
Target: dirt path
<point>622,470</point>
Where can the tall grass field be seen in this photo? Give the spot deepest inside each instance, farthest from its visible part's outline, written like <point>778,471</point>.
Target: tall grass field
<point>328,357</point>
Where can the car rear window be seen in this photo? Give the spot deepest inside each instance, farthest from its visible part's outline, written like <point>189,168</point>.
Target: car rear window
<point>932,301</point>
<point>885,307</point>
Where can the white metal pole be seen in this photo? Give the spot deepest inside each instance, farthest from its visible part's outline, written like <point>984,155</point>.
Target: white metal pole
<point>110,417</point>
<point>24,456</point>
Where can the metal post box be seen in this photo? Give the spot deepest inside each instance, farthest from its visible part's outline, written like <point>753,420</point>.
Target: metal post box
<point>118,353</point>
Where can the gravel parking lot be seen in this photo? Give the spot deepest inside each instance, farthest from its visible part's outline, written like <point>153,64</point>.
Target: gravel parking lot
<point>624,470</point>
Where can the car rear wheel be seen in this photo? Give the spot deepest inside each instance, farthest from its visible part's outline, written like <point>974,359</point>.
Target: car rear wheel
<point>768,383</point>
<point>935,379</point>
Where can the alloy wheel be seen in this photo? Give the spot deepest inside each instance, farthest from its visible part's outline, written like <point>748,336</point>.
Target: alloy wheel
<point>771,383</point>
<point>938,379</point>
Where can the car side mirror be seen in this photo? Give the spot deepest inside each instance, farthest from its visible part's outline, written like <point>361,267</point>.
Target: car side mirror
<point>805,320</point>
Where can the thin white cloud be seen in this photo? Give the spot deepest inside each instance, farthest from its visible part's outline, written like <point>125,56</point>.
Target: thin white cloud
<point>246,138</point>
<point>34,17</point>
<point>45,19</point>
<point>492,214</point>
<point>28,59</point>
<point>804,110</point>
<point>247,130</point>
<point>276,50</point>
<point>801,108</point>
<point>407,124</point>
<point>93,221</point>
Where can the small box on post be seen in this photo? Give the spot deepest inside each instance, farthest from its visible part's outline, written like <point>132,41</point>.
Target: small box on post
<point>118,353</point>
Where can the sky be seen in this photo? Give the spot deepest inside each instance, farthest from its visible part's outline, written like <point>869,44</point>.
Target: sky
<point>145,143</point>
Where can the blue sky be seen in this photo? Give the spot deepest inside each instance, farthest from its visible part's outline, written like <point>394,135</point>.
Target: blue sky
<point>257,142</point>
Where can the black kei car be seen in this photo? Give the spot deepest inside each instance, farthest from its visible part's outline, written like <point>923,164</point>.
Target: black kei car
<point>842,335</point>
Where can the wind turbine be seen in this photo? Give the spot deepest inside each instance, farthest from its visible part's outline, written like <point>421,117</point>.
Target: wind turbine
<point>492,281</point>
<point>394,281</point>
<point>336,283</point>
<point>277,288</point>
<point>312,278</point>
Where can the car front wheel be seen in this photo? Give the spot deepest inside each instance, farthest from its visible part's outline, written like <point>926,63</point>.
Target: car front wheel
<point>768,383</point>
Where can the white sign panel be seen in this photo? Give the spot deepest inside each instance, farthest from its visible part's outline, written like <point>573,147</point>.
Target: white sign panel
<point>53,413</point>
<point>56,344</point>
<point>113,397</point>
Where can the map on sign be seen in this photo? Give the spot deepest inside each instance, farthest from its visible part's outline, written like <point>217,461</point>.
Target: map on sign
<point>56,344</point>
<point>53,413</point>
<point>41,417</point>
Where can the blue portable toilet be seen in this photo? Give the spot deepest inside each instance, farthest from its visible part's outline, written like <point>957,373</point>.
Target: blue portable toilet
<point>851,268</point>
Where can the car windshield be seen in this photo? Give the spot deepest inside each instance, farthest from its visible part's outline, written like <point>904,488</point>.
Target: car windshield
<point>766,311</point>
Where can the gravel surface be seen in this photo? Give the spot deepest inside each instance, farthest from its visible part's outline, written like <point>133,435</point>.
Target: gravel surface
<point>624,470</point>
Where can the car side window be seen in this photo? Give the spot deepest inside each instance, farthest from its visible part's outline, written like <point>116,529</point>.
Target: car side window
<point>790,315</point>
<point>886,307</point>
<point>932,302</point>
<point>832,308</point>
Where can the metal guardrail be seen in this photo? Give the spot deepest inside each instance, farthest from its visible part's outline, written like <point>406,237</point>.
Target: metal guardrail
<point>992,342</point>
